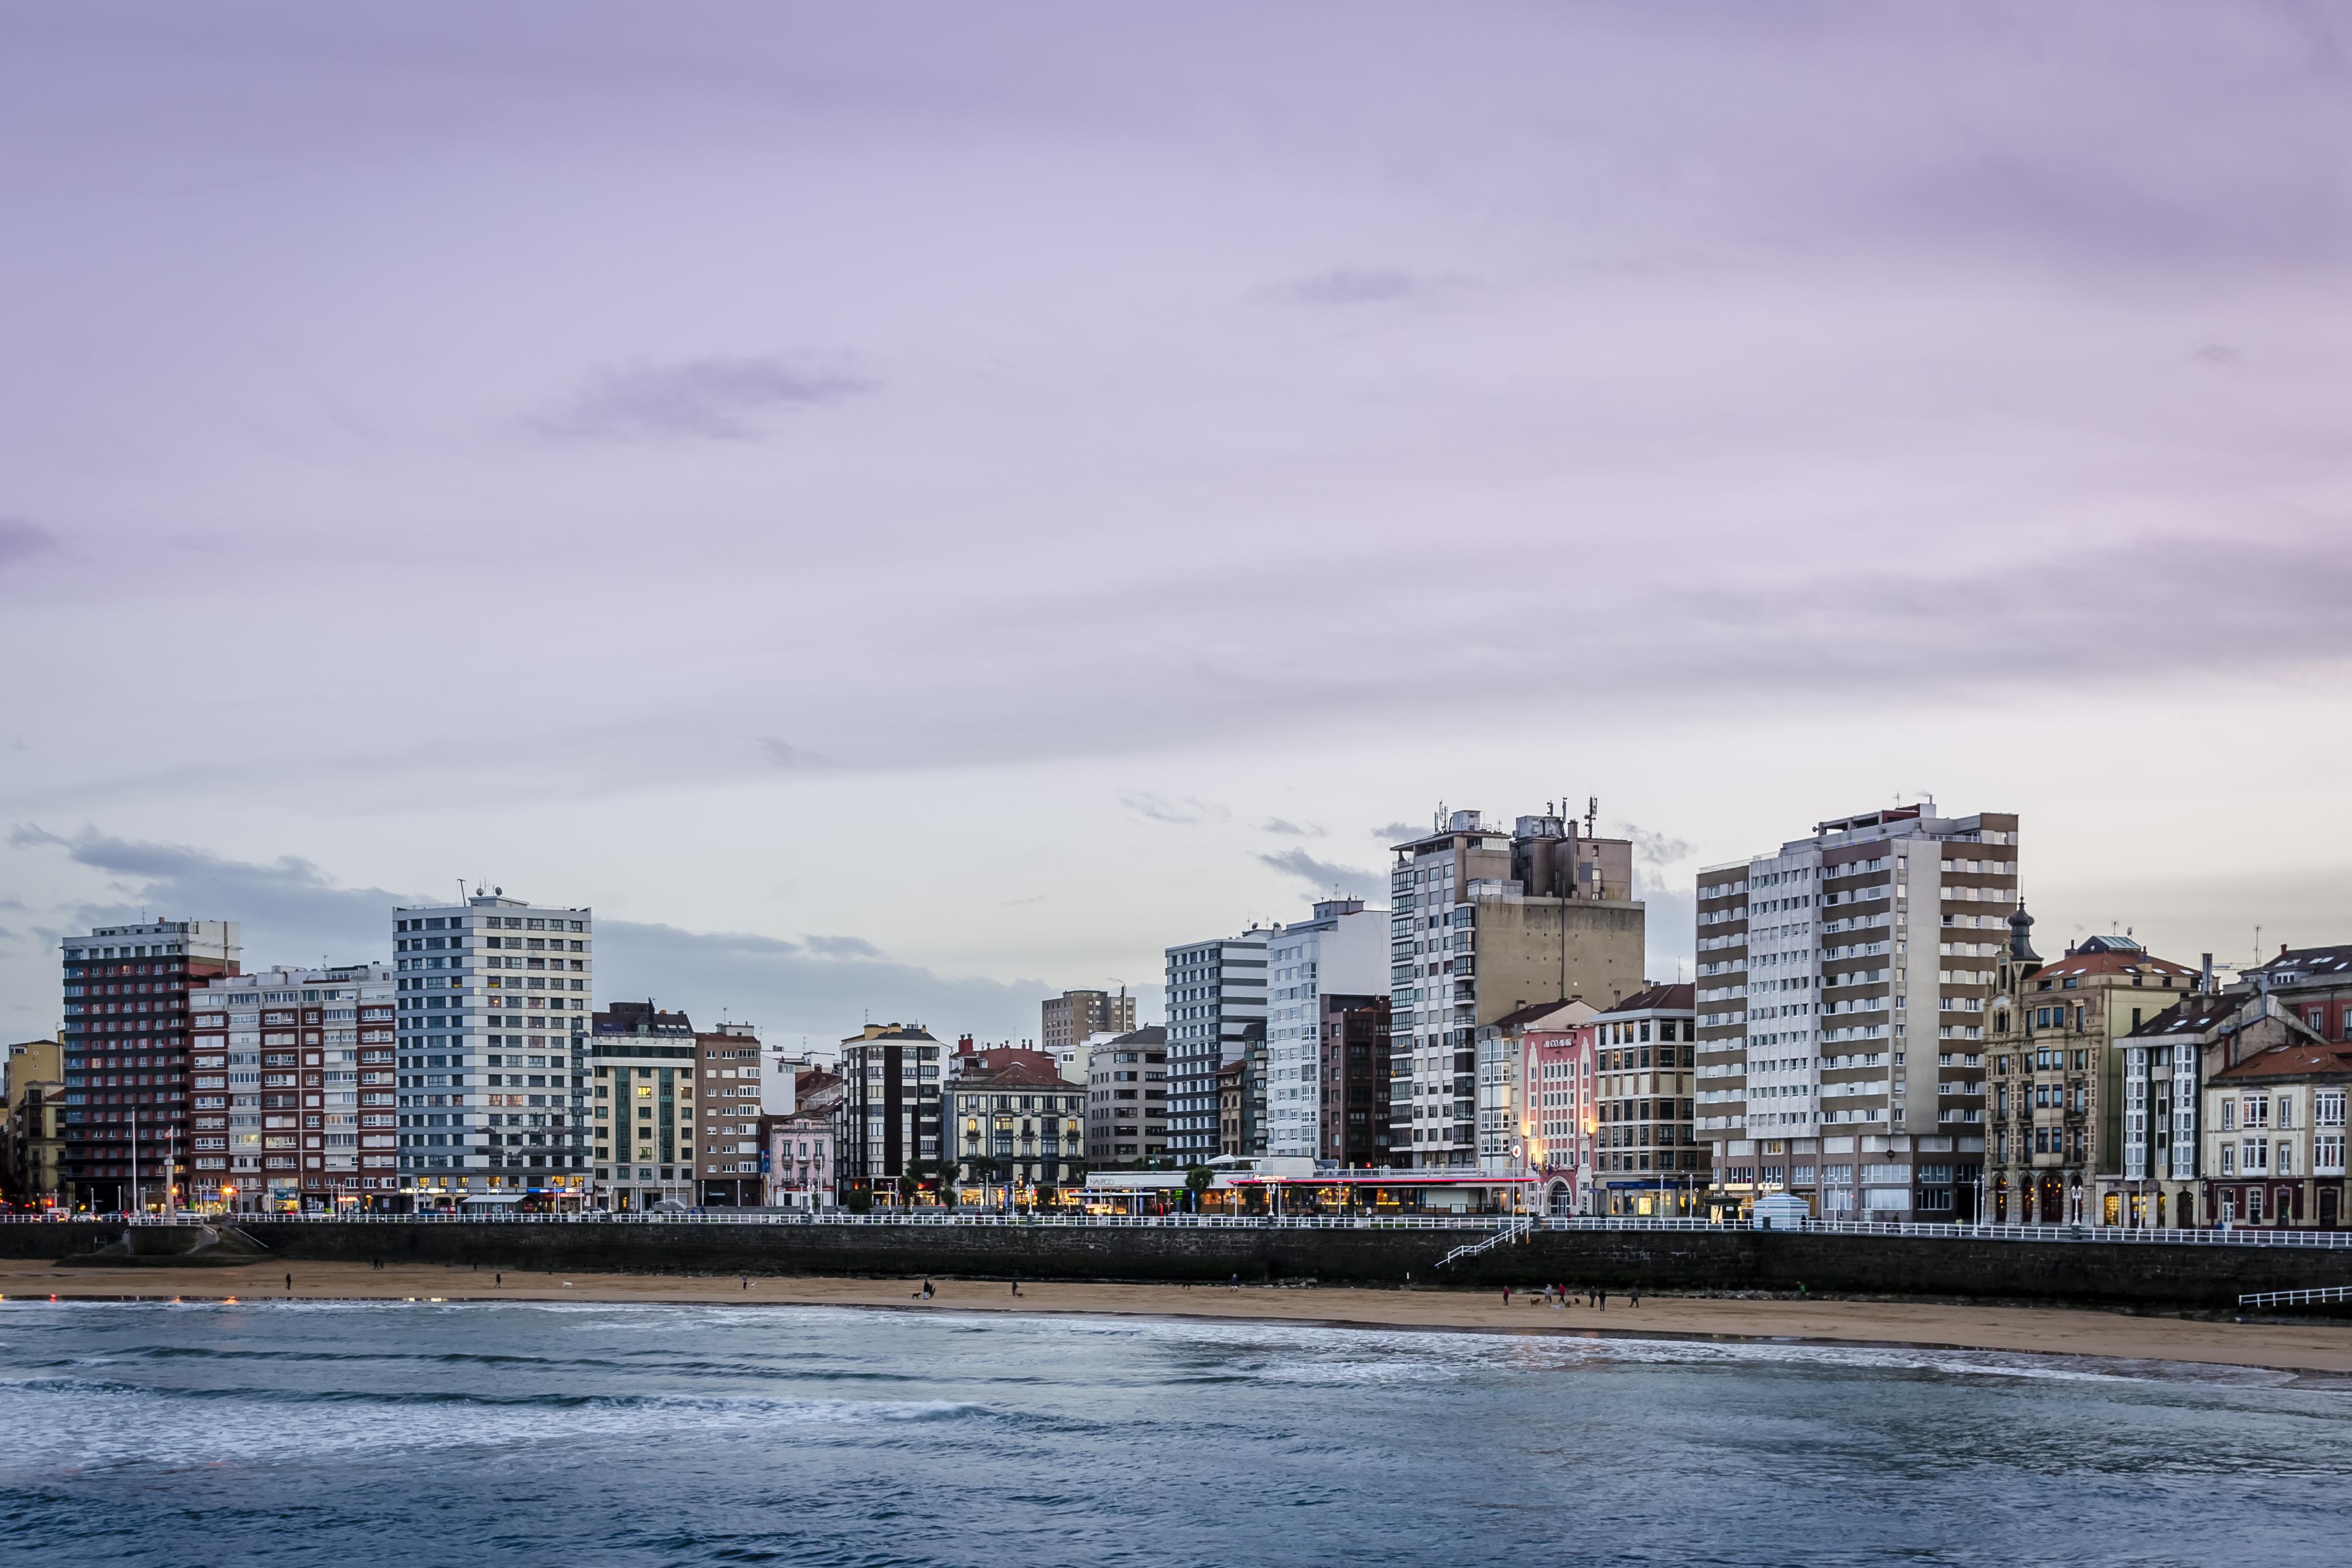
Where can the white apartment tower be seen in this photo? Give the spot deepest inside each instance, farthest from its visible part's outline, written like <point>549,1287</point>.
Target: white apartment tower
<point>494,998</point>
<point>1840,996</point>
<point>1216,1008</point>
<point>1341,950</point>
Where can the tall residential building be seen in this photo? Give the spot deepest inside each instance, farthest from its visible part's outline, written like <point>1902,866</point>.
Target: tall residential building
<point>1342,947</point>
<point>1127,1097</point>
<point>494,997</point>
<point>1216,1001</point>
<point>294,1090</point>
<point>1482,923</point>
<point>644,1146</point>
<point>2055,1111</point>
<point>727,1128</point>
<point>1073,1015</point>
<point>1843,982</point>
<point>126,1058</point>
<point>1355,1079</point>
<point>890,1107</point>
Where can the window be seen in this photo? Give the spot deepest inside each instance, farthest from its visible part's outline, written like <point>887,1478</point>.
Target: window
<point>2327,1108</point>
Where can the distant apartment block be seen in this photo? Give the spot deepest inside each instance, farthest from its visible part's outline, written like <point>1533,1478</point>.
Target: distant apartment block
<point>1073,1016</point>
<point>1217,1008</point>
<point>293,1089</point>
<point>1127,1097</point>
<point>127,1070</point>
<point>1354,1079</point>
<point>1341,948</point>
<point>493,993</point>
<point>728,1083</point>
<point>1843,984</point>
<point>646,1065</point>
<point>890,1107</point>
<point>1484,923</point>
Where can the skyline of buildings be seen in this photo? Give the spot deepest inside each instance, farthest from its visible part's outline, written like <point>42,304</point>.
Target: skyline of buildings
<point>1869,1028</point>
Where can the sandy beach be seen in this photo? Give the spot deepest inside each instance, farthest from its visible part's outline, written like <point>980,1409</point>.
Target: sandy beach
<point>2292,1347</point>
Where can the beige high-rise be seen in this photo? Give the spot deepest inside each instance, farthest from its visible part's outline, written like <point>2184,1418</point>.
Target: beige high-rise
<point>1074,1015</point>
<point>1484,923</point>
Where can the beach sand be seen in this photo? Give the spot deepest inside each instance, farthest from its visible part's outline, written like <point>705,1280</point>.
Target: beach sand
<point>2296,1347</point>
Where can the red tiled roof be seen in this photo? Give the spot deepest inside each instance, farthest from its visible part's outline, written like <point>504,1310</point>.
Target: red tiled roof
<point>2081,963</point>
<point>1033,1069</point>
<point>2297,1060</point>
<point>1655,999</point>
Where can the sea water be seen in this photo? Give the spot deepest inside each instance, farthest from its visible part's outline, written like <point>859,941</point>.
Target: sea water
<point>584,1435</point>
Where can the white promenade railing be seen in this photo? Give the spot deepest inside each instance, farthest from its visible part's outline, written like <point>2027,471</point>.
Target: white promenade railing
<point>2297,1298</point>
<point>2240,1236</point>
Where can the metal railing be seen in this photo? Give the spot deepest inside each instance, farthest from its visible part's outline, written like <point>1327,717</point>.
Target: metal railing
<point>2297,1298</point>
<point>1511,1231</point>
<point>1519,1224</point>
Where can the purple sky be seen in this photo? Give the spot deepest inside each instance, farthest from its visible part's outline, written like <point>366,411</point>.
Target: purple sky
<point>951,499</point>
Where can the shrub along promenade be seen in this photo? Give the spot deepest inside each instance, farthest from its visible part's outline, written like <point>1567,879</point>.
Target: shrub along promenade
<point>2194,1270</point>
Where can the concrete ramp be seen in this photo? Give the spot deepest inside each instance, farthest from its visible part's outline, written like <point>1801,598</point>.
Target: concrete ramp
<point>174,1246</point>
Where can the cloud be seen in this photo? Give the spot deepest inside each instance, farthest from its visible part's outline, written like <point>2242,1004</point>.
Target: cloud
<point>715,399</point>
<point>1398,831</point>
<point>22,541</point>
<point>788,990</point>
<point>1366,286</point>
<point>1656,848</point>
<point>1323,874</point>
<point>784,754</point>
<point>842,947</point>
<point>1185,813</point>
<point>1288,828</point>
<point>292,913</point>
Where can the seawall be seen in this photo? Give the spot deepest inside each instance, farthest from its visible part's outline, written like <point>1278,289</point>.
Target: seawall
<point>2091,1273</point>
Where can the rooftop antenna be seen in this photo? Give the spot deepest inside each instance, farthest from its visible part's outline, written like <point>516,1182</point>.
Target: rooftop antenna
<point>1592,810</point>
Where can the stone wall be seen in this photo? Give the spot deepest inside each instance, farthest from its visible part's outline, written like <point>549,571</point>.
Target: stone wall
<point>2083,1273</point>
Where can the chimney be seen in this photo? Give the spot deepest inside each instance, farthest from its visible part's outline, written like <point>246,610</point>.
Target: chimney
<point>2205,984</point>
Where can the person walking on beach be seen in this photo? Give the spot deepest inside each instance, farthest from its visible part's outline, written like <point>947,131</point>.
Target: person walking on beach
<point>1636,1296</point>
<point>289,1282</point>
<point>1506,1295</point>
<point>1604,1298</point>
